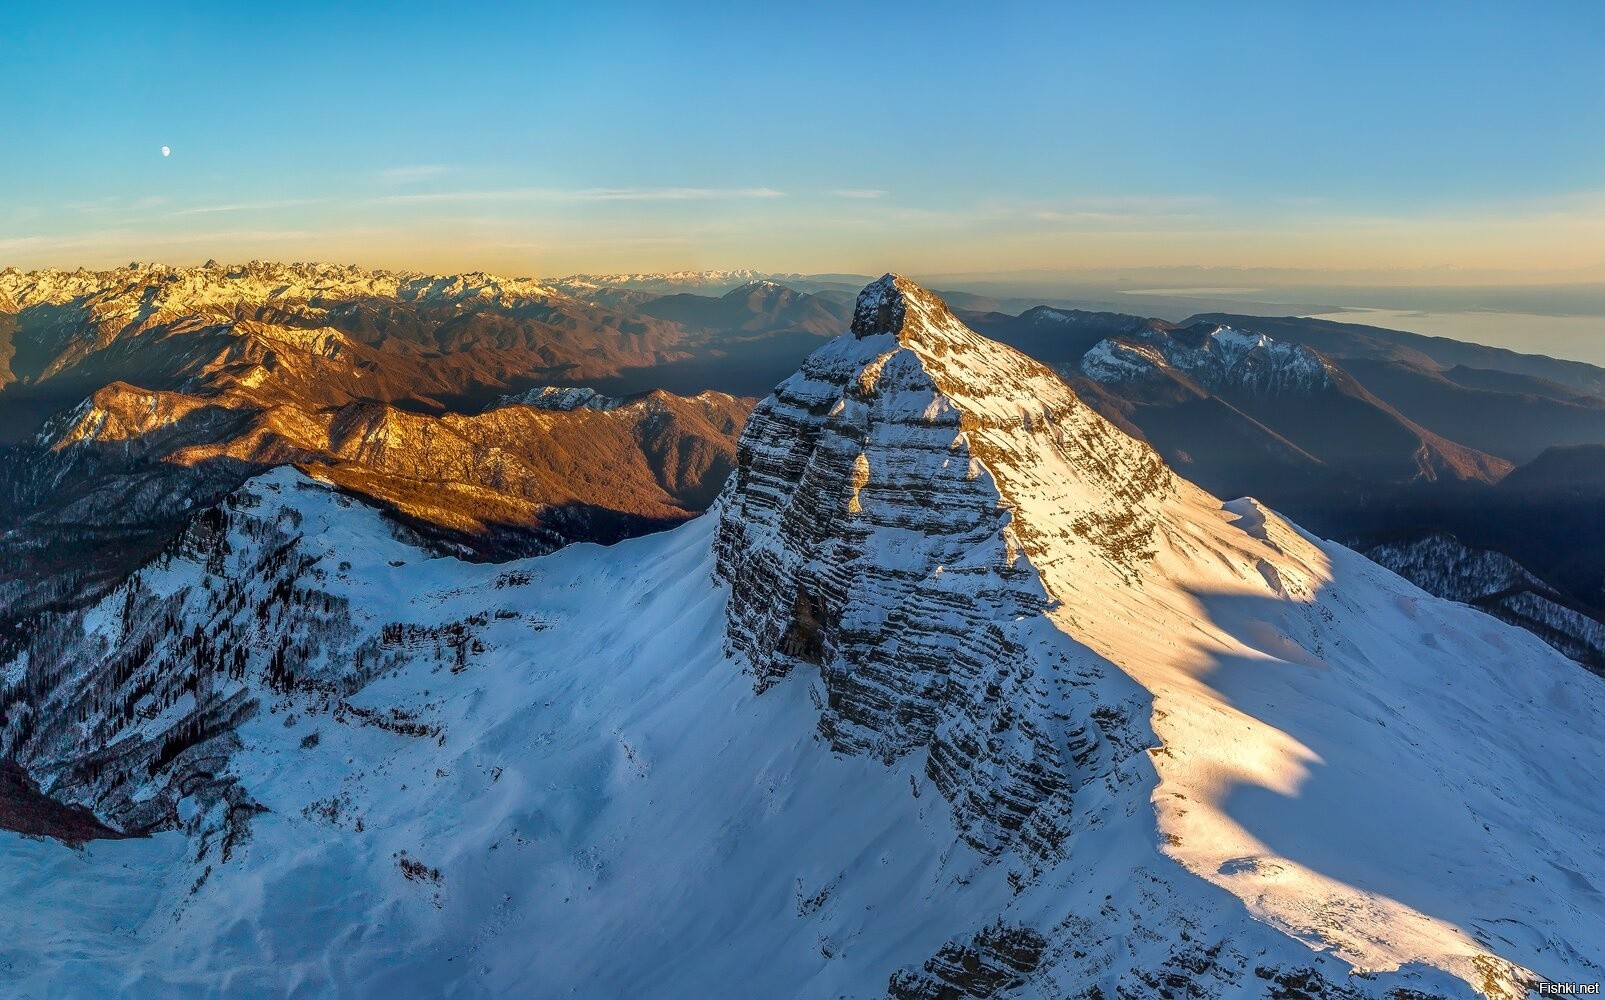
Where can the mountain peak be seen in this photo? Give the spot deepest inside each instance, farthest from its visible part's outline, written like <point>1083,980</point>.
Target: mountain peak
<point>902,457</point>
<point>761,287</point>
<point>980,382</point>
<point>1214,356</point>
<point>886,305</point>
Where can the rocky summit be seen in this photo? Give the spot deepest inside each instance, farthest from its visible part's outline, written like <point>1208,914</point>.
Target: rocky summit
<point>871,528</point>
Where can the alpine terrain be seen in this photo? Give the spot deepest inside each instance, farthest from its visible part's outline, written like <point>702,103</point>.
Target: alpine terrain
<point>1381,438</point>
<point>133,398</point>
<point>957,690</point>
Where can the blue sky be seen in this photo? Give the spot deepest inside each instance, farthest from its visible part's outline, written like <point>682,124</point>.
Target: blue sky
<point>546,138</point>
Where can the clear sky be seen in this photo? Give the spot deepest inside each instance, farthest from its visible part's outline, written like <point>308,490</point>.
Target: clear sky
<point>547,138</point>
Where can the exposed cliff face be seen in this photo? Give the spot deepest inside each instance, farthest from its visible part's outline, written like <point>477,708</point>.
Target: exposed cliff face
<point>963,549</point>
<point>871,528</point>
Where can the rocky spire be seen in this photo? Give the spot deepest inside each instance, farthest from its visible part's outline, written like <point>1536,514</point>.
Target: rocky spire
<point>896,305</point>
<point>884,523</point>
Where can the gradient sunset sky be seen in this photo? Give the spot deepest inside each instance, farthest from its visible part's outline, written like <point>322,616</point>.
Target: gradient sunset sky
<point>548,139</point>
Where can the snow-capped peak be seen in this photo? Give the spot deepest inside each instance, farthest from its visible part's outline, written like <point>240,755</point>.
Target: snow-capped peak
<point>924,518</point>
<point>552,397</point>
<point>1216,357</point>
<point>760,286</point>
<point>142,292</point>
<point>893,494</point>
<point>884,306</point>
<point>1233,344</point>
<point>665,281</point>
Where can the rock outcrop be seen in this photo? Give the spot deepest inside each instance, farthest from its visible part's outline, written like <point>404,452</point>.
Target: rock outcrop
<point>872,528</point>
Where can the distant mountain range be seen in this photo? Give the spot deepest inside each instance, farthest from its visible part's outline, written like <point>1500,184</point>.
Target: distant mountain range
<point>132,396</point>
<point>1508,404</point>
<point>1242,408</point>
<point>1415,436</point>
<point>666,281</point>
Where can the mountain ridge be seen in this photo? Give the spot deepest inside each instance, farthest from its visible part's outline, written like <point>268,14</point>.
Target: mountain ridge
<point>1290,391</point>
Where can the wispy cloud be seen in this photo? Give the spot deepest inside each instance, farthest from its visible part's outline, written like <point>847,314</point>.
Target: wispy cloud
<point>114,203</point>
<point>1114,211</point>
<point>411,174</point>
<point>118,239</point>
<point>858,193</point>
<point>1132,204</point>
<point>1109,218</point>
<point>249,206</point>
<point>580,195</point>
<point>97,205</point>
<point>676,194</point>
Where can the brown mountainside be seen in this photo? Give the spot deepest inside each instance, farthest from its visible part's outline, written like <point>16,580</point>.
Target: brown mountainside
<point>131,399</point>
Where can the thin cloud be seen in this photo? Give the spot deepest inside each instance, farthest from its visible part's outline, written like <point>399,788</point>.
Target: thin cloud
<point>1125,210</point>
<point>1112,218</point>
<point>107,204</point>
<point>411,174</point>
<point>113,203</point>
<point>249,206</point>
<point>123,238</point>
<point>581,195</point>
<point>858,193</point>
<point>676,194</point>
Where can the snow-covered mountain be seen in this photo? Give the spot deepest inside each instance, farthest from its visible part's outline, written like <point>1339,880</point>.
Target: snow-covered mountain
<point>562,398</point>
<point>666,281</point>
<point>1366,438</point>
<point>957,691</point>
<point>146,293</point>
<point>133,397</point>
<point>1239,407</point>
<point>1214,357</point>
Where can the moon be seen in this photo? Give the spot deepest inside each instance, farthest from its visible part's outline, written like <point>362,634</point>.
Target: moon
<point>166,151</point>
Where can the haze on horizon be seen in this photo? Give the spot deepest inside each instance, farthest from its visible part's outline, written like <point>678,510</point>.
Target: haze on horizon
<point>1434,143</point>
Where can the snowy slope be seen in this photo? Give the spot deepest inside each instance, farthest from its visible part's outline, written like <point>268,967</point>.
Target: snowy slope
<point>1216,357</point>
<point>1007,706</point>
<point>1444,566</point>
<point>601,777</point>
